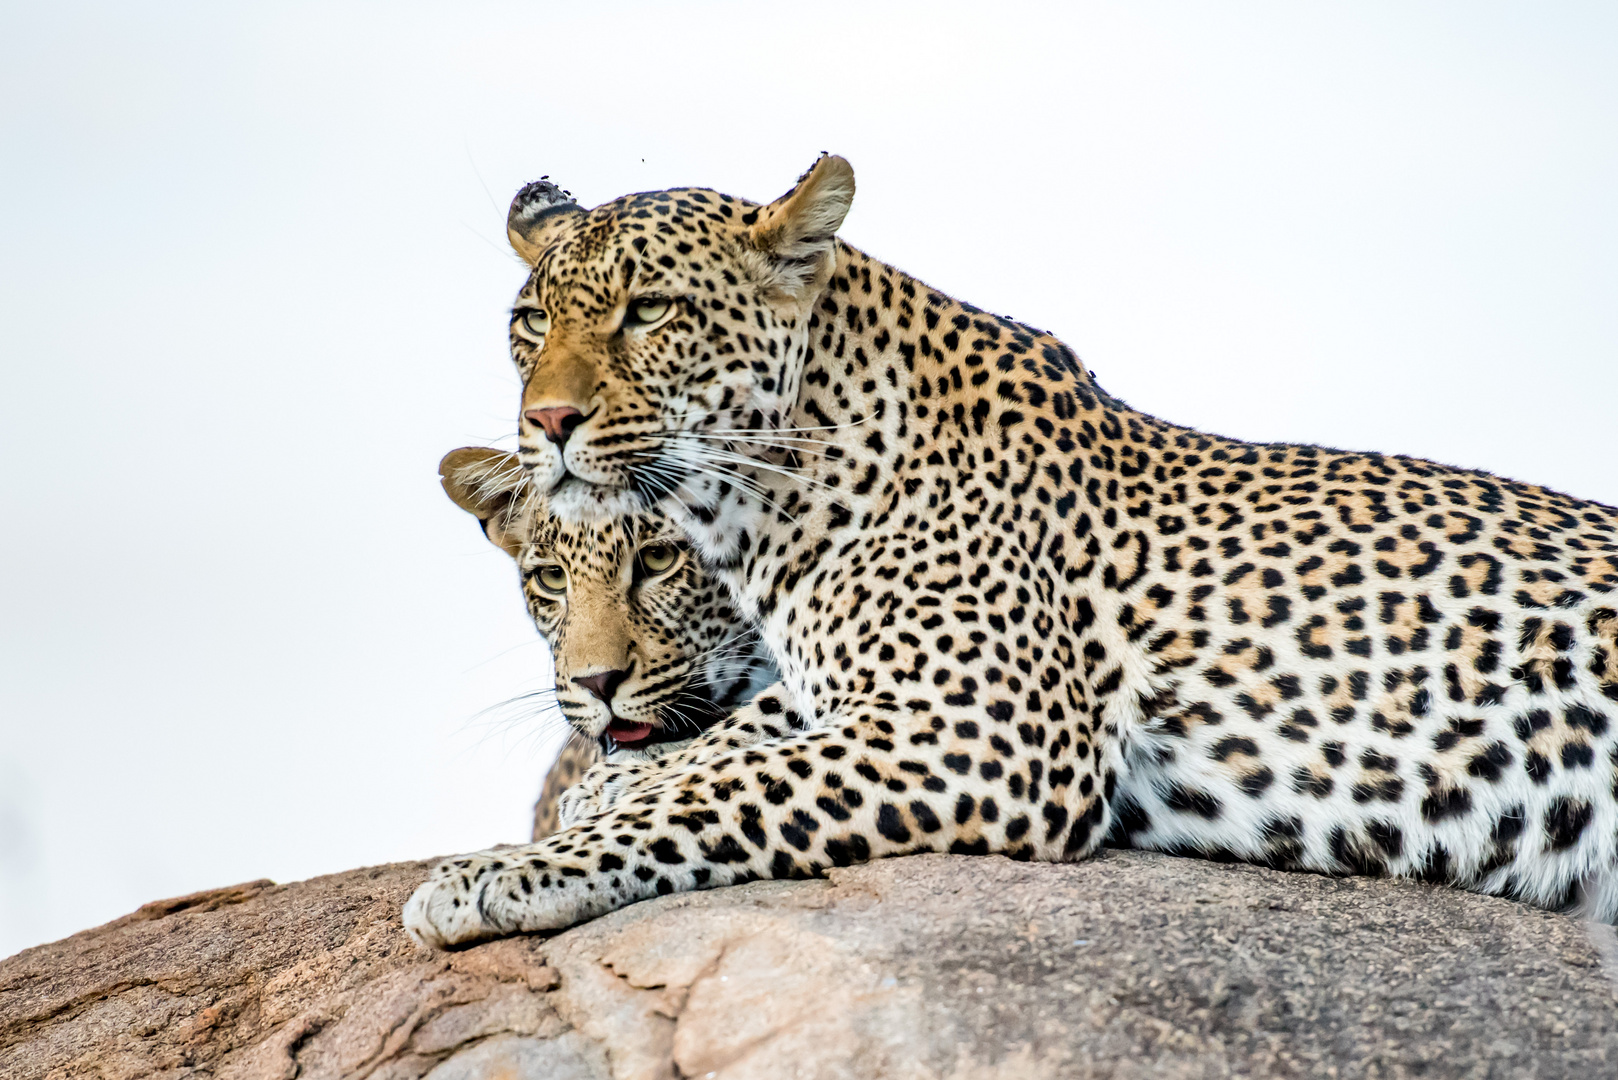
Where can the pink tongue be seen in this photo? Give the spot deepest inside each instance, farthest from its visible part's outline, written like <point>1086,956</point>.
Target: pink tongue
<point>625,732</point>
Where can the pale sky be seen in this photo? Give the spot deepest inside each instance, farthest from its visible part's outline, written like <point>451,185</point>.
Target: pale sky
<point>253,283</point>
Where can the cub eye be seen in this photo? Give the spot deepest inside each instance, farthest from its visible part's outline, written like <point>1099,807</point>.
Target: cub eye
<point>537,323</point>
<point>657,558</point>
<point>553,579</point>
<point>648,310</point>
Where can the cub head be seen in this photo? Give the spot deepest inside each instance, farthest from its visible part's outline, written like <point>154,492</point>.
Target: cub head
<point>658,331</point>
<point>648,648</point>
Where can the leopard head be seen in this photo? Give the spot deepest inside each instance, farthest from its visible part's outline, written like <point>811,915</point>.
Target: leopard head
<point>648,648</point>
<point>661,338</point>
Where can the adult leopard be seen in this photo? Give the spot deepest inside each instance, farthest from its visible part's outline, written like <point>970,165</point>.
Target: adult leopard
<point>648,648</point>
<point>1020,613</point>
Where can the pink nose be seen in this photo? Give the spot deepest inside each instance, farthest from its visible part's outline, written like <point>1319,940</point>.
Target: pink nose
<point>558,422</point>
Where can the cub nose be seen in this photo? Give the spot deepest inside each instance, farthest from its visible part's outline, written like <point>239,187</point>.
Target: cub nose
<point>558,422</point>
<point>602,683</point>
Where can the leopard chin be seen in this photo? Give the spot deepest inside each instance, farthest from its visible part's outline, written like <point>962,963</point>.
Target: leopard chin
<point>579,502</point>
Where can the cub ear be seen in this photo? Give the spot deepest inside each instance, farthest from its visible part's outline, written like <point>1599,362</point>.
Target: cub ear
<point>485,483</point>
<point>794,234</point>
<point>535,215</point>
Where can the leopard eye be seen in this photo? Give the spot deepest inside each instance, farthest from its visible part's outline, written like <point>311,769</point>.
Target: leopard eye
<point>553,579</point>
<point>537,323</point>
<point>658,558</point>
<point>647,310</point>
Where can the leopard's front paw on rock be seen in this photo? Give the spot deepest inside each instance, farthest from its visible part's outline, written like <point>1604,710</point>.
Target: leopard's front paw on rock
<point>445,910</point>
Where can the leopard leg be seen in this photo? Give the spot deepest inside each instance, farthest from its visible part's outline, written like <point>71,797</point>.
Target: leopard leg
<point>765,718</point>
<point>786,808</point>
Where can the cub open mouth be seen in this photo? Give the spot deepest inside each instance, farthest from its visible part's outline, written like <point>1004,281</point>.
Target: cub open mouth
<point>627,731</point>
<point>692,715</point>
<point>623,734</point>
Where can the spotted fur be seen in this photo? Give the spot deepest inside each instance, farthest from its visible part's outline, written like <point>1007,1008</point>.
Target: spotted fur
<point>1019,615</point>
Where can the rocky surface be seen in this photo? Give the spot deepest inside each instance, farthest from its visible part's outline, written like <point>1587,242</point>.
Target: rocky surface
<point>1131,965</point>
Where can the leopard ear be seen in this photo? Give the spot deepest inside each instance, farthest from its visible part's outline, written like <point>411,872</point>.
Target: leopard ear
<point>794,235</point>
<point>485,483</point>
<point>534,217</point>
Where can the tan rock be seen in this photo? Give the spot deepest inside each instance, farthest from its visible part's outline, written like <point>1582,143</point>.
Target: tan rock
<point>1131,965</point>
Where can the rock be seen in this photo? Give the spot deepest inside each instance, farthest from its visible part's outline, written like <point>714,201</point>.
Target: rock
<point>1130,965</point>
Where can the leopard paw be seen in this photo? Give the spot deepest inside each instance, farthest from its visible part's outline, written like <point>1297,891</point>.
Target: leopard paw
<point>511,891</point>
<point>447,909</point>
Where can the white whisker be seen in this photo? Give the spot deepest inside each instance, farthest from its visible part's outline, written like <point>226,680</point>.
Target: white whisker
<point>785,430</point>
<point>726,457</point>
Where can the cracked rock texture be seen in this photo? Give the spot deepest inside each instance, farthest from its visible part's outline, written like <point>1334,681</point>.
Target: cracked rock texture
<point>1131,965</point>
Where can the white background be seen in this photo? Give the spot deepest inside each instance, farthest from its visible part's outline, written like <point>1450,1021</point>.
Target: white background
<point>253,282</point>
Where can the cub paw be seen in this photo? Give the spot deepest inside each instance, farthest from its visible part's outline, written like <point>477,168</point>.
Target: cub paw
<point>597,792</point>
